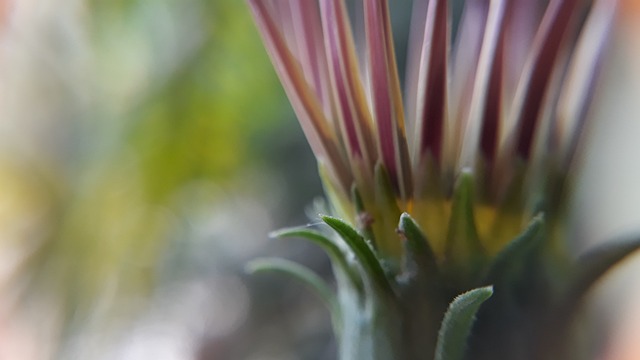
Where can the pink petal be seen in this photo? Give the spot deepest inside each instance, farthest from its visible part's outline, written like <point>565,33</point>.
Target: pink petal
<point>538,72</point>
<point>353,112</point>
<point>307,27</point>
<point>414,52</point>
<point>315,126</point>
<point>486,99</point>
<point>387,99</point>
<point>466,53</point>
<point>432,83</point>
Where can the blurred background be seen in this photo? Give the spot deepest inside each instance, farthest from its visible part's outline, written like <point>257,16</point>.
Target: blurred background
<point>146,151</point>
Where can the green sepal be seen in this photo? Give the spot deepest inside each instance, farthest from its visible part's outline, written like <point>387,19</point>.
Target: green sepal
<point>337,256</point>
<point>362,250</point>
<point>302,273</point>
<point>363,217</point>
<point>417,246</point>
<point>457,323</point>
<point>588,269</point>
<point>387,214</point>
<point>511,261</point>
<point>510,209</point>
<point>594,264</point>
<point>464,254</point>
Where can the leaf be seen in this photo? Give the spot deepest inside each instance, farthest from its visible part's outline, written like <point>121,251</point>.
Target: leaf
<point>464,252</point>
<point>337,256</point>
<point>302,273</point>
<point>590,267</point>
<point>457,323</point>
<point>362,251</point>
<point>596,263</point>
<point>387,213</point>
<point>504,266</point>
<point>417,245</point>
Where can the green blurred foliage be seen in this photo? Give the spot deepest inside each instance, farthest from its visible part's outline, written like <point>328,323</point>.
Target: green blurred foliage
<point>171,92</point>
<point>201,119</point>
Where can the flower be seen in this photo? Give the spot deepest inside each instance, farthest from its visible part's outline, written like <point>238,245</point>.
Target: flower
<point>507,103</point>
<point>477,147</point>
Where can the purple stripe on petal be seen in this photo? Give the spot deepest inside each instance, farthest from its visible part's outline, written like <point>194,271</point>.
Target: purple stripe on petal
<point>308,27</point>
<point>352,107</point>
<point>336,58</point>
<point>492,112</point>
<point>524,17</point>
<point>581,78</point>
<point>492,116</point>
<point>320,136</point>
<point>385,89</point>
<point>466,53</point>
<point>416,35</point>
<point>348,123</point>
<point>433,79</point>
<point>547,44</point>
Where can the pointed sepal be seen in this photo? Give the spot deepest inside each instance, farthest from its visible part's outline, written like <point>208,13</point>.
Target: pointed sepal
<point>337,255</point>
<point>364,218</point>
<point>387,213</point>
<point>508,264</point>
<point>301,273</point>
<point>363,252</point>
<point>457,323</point>
<point>593,265</point>
<point>418,252</point>
<point>464,254</point>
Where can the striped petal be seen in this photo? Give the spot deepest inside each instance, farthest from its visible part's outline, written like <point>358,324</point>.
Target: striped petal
<point>538,74</point>
<point>486,100</point>
<point>522,23</point>
<point>432,86</point>
<point>320,135</point>
<point>353,112</point>
<point>466,54</point>
<point>307,27</point>
<point>386,96</point>
<point>414,52</point>
<point>582,74</point>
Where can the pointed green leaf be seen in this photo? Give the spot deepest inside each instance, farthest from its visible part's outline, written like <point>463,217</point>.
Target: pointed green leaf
<point>457,323</point>
<point>417,246</point>
<point>388,214</point>
<point>514,255</point>
<point>302,273</point>
<point>337,256</point>
<point>596,263</point>
<point>464,252</point>
<point>362,251</point>
<point>590,268</point>
<point>431,203</point>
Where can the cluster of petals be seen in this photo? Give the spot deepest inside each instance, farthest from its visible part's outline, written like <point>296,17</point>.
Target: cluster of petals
<point>510,85</point>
